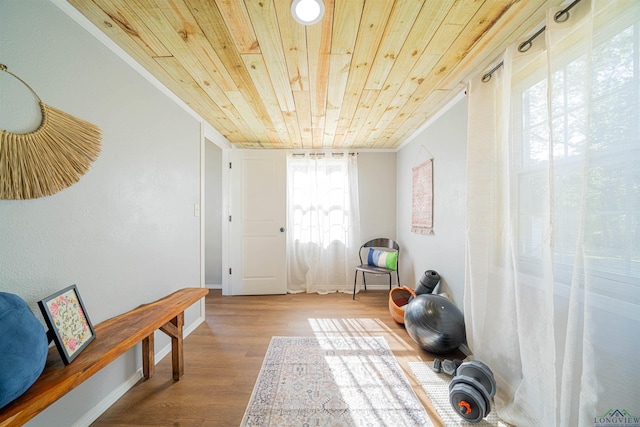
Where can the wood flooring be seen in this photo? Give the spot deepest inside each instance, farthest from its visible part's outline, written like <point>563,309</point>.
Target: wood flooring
<point>223,356</point>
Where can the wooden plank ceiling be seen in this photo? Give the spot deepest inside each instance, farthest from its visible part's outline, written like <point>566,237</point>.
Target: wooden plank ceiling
<point>368,75</point>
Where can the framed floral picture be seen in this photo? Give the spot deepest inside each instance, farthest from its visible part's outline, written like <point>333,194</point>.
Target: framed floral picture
<point>68,322</point>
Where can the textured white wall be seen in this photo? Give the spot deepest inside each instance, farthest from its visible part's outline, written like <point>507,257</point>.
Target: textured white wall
<point>126,234</point>
<point>446,140</point>
<point>377,187</point>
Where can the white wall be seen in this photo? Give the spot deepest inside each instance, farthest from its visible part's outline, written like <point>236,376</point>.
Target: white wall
<point>126,234</point>
<point>445,139</point>
<point>377,188</point>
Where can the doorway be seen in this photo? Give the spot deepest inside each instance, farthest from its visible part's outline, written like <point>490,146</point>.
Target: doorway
<point>212,216</point>
<point>213,209</point>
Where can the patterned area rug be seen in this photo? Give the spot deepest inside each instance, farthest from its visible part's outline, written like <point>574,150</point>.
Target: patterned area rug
<point>333,381</point>
<point>437,388</point>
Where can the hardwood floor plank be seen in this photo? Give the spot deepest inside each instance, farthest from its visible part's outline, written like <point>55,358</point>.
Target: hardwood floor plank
<point>223,356</point>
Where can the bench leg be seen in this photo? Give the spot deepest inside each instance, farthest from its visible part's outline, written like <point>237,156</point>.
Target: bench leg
<point>174,330</point>
<point>148,356</point>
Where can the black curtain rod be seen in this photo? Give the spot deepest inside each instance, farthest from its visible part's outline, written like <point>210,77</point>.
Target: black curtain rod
<point>323,154</point>
<point>560,16</point>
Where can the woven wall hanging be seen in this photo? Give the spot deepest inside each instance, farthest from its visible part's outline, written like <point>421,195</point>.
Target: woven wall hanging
<point>49,159</point>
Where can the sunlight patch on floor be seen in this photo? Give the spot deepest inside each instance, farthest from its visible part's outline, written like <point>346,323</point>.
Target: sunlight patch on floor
<point>357,327</point>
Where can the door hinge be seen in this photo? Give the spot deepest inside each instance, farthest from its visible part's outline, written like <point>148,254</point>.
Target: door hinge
<point>229,271</point>
<point>229,165</point>
<point>229,218</point>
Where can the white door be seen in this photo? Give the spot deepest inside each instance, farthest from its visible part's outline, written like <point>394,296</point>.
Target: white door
<point>258,220</point>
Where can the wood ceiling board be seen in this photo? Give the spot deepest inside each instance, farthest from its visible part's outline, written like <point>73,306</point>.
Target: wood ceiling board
<point>410,90</point>
<point>370,32</point>
<point>454,79</point>
<point>399,25</point>
<point>135,33</point>
<point>423,30</point>
<point>346,24</point>
<point>509,30</point>
<point>462,11</point>
<point>311,86</point>
<point>343,44</point>
<point>134,46</point>
<point>389,103</point>
<point>437,101</point>
<point>303,114</point>
<point>387,109</point>
<point>176,33</point>
<point>429,77</point>
<point>184,87</point>
<point>173,20</point>
<point>207,70</point>
<point>294,45</point>
<point>319,49</point>
<point>291,123</point>
<point>183,22</point>
<point>265,24</point>
<point>213,26</point>
<point>366,100</point>
<point>448,76</point>
<point>258,70</point>
<point>338,75</point>
<point>238,23</point>
<point>255,128</point>
<point>475,29</point>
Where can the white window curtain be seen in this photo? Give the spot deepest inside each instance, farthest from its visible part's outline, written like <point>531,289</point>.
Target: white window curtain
<point>552,291</point>
<point>323,221</point>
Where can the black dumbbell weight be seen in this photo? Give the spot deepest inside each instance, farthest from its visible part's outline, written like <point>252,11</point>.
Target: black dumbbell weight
<point>471,391</point>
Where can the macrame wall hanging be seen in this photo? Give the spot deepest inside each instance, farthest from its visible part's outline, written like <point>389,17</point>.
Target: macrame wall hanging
<point>422,195</point>
<point>49,159</point>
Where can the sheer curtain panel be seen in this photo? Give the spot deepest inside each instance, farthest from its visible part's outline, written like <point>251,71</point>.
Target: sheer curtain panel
<point>323,221</point>
<point>552,292</point>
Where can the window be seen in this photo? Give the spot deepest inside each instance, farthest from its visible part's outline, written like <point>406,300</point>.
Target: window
<point>323,221</point>
<point>319,199</point>
<point>582,142</point>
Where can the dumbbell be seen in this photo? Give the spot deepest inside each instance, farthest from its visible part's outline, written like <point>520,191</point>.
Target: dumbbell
<point>447,366</point>
<point>471,391</point>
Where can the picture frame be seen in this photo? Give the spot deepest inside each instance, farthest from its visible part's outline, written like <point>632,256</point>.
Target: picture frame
<point>68,322</point>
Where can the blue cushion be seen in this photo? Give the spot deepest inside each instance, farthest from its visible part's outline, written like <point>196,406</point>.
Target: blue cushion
<point>23,347</point>
<point>384,259</point>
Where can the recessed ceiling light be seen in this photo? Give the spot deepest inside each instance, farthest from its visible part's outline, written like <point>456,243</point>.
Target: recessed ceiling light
<point>307,12</point>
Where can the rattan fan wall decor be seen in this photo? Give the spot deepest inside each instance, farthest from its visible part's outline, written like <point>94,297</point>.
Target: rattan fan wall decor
<point>49,159</point>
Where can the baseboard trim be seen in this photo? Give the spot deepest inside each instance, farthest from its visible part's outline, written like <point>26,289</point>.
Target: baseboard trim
<point>95,412</point>
<point>376,287</point>
<point>111,398</point>
<point>465,349</point>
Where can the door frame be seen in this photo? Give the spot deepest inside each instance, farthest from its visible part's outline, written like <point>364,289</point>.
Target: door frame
<point>209,135</point>
<point>238,283</point>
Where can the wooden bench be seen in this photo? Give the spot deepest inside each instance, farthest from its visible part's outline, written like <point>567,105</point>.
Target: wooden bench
<point>114,337</point>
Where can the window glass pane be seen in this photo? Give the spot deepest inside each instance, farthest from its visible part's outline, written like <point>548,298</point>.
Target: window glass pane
<point>319,199</point>
<point>535,127</point>
<point>613,63</point>
<point>586,197</point>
